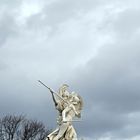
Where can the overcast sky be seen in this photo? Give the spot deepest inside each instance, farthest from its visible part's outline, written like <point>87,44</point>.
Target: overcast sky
<point>91,45</point>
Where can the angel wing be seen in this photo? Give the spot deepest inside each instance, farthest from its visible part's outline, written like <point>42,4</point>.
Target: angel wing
<point>78,103</point>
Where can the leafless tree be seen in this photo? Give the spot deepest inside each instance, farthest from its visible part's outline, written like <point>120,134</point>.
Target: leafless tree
<point>1,131</point>
<point>19,128</point>
<point>33,130</point>
<point>10,125</point>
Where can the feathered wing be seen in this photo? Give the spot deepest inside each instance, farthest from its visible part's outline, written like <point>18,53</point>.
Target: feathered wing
<point>79,106</point>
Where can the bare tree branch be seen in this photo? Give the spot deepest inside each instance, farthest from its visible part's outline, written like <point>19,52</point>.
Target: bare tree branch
<point>19,128</point>
<point>10,125</point>
<point>33,130</point>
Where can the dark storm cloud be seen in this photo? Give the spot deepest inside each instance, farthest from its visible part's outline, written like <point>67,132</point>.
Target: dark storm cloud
<point>109,84</point>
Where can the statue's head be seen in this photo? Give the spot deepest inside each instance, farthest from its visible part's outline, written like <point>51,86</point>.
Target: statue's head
<point>64,86</point>
<point>63,90</point>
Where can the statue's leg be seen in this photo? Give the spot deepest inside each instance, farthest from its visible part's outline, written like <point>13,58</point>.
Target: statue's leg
<point>74,133</point>
<point>62,130</point>
<point>71,133</point>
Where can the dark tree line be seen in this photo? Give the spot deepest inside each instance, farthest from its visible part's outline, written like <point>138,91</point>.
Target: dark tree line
<point>20,128</point>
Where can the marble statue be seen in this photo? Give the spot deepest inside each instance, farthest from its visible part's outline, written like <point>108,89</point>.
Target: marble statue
<point>69,106</point>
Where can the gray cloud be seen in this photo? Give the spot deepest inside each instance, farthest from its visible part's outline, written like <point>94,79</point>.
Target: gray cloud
<point>110,85</point>
<point>8,27</point>
<point>94,48</point>
<point>56,11</point>
<point>127,23</point>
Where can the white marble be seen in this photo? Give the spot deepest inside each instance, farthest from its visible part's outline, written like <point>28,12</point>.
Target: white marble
<point>69,106</point>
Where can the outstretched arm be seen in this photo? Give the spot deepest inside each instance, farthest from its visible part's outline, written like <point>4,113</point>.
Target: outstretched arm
<point>54,100</point>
